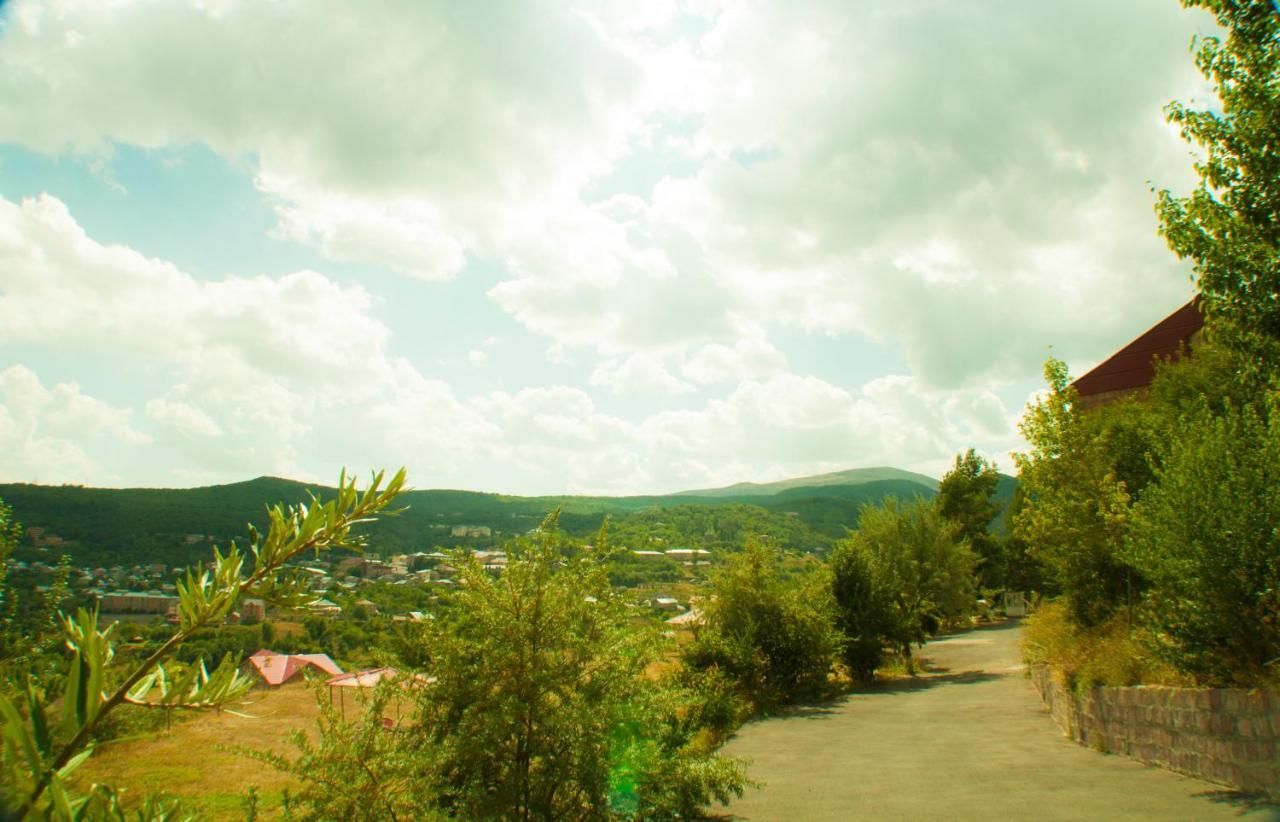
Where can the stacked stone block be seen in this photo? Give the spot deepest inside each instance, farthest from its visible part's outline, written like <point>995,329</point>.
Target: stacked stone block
<point>1228,736</point>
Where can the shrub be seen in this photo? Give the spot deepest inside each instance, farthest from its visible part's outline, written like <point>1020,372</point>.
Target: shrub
<point>1111,653</point>
<point>1206,538</point>
<point>776,641</point>
<point>897,579</point>
<point>1079,479</point>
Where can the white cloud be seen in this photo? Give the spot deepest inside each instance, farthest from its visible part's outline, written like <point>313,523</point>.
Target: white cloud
<point>42,430</point>
<point>638,373</point>
<point>182,417</point>
<point>964,182</point>
<point>751,357</point>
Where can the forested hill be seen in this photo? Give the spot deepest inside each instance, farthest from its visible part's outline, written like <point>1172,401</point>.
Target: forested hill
<point>175,526</point>
<point>852,477</point>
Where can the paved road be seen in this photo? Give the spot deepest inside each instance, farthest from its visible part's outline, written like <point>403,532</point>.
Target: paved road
<point>967,741</point>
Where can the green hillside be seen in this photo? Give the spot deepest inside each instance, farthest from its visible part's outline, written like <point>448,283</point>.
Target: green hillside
<point>854,476</point>
<point>176,526</point>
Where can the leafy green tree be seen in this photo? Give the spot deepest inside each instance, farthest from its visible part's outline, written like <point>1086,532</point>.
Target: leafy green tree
<point>538,705</point>
<point>919,576</point>
<point>966,497</point>
<point>1076,507</point>
<point>1205,537</point>
<point>864,607</point>
<point>1229,226</point>
<point>39,753</point>
<point>778,641</point>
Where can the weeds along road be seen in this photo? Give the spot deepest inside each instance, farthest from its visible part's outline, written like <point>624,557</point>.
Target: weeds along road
<point>968,740</point>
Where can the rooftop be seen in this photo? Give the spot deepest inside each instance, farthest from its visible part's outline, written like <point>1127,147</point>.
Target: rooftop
<point>1133,366</point>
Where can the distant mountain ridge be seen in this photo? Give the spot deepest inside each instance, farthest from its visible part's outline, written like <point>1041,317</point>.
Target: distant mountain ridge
<point>852,476</point>
<point>170,525</point>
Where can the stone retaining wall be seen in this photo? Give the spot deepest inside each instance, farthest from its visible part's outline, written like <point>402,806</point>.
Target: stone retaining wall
<point>1227,736</point>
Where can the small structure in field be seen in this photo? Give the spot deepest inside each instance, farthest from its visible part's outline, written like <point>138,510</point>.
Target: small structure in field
<point>369,679</point>
<point>276,669</point>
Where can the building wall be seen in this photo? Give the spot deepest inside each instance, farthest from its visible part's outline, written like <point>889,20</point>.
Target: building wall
<point>1225,735</point>
<point>136,603</point>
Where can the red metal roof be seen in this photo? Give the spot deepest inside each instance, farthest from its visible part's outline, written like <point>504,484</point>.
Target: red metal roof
<point>1134,365</point>
<point>277,669</point>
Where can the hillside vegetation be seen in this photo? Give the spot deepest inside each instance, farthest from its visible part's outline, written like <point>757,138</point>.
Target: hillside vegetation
<point>174,526</point>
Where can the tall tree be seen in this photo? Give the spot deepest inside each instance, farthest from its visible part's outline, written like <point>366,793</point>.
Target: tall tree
<point>1229,226</point>
<point>966,498</point>
<point>905,557</point>
<point>539,706</point>
<point>1078,493</point>
<point>776,639</point>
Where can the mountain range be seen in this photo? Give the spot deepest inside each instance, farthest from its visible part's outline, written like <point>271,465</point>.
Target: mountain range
<point>175,526</point>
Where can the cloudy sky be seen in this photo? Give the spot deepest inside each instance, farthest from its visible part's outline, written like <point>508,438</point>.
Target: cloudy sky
<point>538,247</point>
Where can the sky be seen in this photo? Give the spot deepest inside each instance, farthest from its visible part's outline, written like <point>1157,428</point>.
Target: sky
<point>561,247</point>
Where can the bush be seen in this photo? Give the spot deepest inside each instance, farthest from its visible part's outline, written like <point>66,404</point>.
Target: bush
<point>777,642</point>
<point>898,579</point>
<point>1079,478</point>
<point>1111,653</point>
<point>1205,537</point>
<point>864,610</point>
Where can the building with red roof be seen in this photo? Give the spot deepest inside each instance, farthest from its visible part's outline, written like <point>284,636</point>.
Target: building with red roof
<point>277,669</point>
<point>1130,370</point>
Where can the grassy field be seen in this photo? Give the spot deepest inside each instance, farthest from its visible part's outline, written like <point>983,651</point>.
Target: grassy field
<point>194,761</point>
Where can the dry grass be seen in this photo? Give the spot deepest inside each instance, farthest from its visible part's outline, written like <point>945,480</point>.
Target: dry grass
<point>1113,653</point>
<point>193,760</point>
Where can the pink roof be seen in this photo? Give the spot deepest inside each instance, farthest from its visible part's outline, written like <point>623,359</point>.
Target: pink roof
<point>277,669</point>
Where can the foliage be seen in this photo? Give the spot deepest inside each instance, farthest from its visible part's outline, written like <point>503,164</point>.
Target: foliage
<point>537,706</point>
<point>176,526</point>
<point>720,528</point>
<point>532,674</point>
<point>777,641</point>
<point>918,577</point>
<point>1111,653</point>
<point>626,570</point>
<point>1205,537</point>
<point>1077,497</point>
<point>359,769</point>
<point>1229,226</point>
<point>864,607</point>
<point>966,497</point>
<point>38,755</point>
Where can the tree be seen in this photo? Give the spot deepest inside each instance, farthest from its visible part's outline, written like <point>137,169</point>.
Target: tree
<point>777,641</point>
<point>864,608</point>
<point>1205,537</point>
<point>919,575</point>
<point>37,758</point>
<point>1229,226</point>
<point>1076,504</point>
<point>966,497</point>
<point>538,706</point>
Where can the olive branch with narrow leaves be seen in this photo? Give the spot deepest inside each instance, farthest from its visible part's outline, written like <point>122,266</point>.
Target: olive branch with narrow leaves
<point>36,768</point>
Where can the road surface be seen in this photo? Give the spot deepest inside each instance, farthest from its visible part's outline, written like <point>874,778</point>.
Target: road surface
<point>968,740</point>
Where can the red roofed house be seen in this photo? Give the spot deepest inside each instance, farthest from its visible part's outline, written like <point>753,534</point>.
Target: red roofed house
<point>1131,369</point>
<point>277,669</point>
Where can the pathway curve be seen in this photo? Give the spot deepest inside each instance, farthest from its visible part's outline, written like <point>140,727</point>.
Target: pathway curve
<point>967,741</point>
